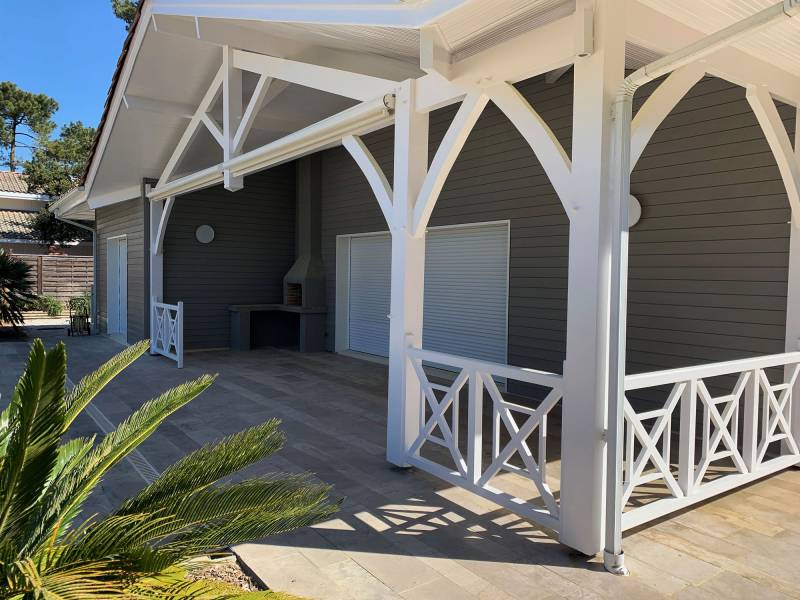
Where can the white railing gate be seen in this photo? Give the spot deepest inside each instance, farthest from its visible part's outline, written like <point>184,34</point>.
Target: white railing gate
<point>167,335</point>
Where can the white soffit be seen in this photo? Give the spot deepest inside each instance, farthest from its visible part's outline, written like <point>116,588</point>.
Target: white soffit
<point>483,23</point>
<point>778,45</point>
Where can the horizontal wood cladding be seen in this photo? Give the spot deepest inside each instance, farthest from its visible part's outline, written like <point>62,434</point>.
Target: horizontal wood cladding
<point>252,250</point>
<point>125,218</point>
<point>708,260</point>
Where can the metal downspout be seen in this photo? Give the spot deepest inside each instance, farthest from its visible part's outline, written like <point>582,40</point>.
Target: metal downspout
<point>619,191</point>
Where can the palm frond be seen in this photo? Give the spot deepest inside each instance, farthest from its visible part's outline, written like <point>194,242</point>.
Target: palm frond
<point>208,465</point>
<point>93,383</point>
<point>36,421</point>
<point>84,581</point>
<point>193,590</point>
<point>69,492</point>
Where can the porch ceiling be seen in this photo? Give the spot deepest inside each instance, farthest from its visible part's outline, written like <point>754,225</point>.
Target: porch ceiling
<point>179,54</point>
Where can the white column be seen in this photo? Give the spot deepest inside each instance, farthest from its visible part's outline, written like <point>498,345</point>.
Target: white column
<point>793,296</point>
<point>232,110</point>
<point>597,80</point>
<point>156,265</point>
<point>408,273</point>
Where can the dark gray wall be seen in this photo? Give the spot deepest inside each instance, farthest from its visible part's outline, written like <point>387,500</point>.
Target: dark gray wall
<point>125,218</point>
<point>253,248</point>
<point>709,258</point>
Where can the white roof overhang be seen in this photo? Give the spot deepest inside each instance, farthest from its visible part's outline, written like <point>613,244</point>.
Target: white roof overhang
<point>176,50</point>
<point>73,206</point>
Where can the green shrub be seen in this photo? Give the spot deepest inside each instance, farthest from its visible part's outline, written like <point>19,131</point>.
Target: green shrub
<point>52,306</point>
<point>15,289</point>
<point>143,549</point>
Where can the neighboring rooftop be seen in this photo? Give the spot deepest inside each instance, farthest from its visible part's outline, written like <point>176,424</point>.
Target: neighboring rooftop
<point>16,224</point>
<point>11,181</point>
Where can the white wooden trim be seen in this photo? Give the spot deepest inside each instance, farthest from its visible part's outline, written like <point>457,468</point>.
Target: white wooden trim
<point>167,337</point>
<point>434,52</point>
<point>232,109</point>
<point>213,129</point>
<point>373,172</point>
<point>445,157</point>
<point>771,124</point>
<point>253,107</point>
<point>158,243</point>
<point>335,81</point>
<point>192,128</point>
<point>792,338</point>
<point>660,103</point>
<point>130,193</point>
<point>551,154</point>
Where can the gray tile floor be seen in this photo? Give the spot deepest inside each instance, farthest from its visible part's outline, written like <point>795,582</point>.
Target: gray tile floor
<point>403,534</point>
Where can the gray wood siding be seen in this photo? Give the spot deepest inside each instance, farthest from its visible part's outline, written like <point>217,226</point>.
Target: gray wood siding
<point>125,218</point>
<point>709,258</point>
<point>253,248</point>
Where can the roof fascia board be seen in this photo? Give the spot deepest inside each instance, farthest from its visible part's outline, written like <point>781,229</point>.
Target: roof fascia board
<point>22,196</point>
<point>657,31</point>
<point>119,92</point>
<point>378,13</point>
<point>130,193</point>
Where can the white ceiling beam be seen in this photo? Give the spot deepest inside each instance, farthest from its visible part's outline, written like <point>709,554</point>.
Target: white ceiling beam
<point>192,129</point>
<point>551,154</point>
<point>538,51</point>
<point>778,138</point>
<point>387,13</point>
<point>434,52</point>
<point>232,112</point>
<point>373,172</point>
<point>660,103</point>
<point>656,31</point>
<point>445,157</point>
<point>334,81</point>
<point>154,105</point>
<point>254,105</point>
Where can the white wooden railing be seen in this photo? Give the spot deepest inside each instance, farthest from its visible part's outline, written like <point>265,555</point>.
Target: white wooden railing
<point>727,447</point>
<point>525,429</point>
<point>167,331</point>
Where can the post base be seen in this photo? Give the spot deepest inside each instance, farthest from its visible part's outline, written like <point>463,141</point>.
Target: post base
<point>615,564</point>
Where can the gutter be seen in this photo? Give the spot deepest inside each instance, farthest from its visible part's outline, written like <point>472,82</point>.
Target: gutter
<point>619,190</point>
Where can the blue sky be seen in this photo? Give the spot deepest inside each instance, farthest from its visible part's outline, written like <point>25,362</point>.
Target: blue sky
<point>66,49</point>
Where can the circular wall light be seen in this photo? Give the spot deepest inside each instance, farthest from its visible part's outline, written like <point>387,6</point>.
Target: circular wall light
<point>634,211</point>
<point>204,234</point>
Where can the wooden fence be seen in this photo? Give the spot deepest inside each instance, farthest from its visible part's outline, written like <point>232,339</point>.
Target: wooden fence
<point>62,277</point>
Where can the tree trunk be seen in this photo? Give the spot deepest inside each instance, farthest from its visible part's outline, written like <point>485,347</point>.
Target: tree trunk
<point>12,152</point>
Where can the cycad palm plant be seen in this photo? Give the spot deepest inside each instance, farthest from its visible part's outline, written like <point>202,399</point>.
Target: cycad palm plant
<point>15,288</point>
<point>48,549</point>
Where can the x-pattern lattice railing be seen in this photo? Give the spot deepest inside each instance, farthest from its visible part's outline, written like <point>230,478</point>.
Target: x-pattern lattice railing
<point>735,432</point>
<point>167,335</point>
<point>516,430</point>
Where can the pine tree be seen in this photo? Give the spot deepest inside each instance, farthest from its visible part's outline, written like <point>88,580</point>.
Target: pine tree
<point>25,119</point>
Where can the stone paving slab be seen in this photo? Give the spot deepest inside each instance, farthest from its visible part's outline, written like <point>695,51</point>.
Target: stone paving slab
<point>401,533</point>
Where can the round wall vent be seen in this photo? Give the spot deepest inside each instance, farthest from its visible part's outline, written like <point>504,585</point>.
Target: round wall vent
<point>204,234</point>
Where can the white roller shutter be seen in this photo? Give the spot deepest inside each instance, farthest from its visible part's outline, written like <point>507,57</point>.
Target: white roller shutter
<point>370,285</point>
<point>466,292</point>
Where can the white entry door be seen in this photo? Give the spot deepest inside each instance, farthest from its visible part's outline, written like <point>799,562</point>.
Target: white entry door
<point>466,292</point>
<point>117,282</point>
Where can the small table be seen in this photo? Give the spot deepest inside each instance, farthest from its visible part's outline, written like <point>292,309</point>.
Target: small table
<point>310,328</point>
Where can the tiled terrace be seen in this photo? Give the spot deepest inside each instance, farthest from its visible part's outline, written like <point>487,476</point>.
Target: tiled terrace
<point>403,534</point>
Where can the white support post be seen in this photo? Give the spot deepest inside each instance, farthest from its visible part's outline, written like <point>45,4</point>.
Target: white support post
<point>408,275</point>
<point>232,110</point>
<point>597,79</point>
<point>156,267</point>
<point>793,295</point>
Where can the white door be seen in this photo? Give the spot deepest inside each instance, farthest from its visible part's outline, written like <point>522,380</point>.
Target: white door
<point>466,292</point>
<point>117,282</point>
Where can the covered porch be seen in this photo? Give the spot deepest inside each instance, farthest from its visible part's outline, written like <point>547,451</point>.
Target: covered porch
<point>583,448</point>
<point>404,533</point>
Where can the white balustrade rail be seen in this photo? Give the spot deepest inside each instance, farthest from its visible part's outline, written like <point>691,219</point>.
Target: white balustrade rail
<point>524,427</point>
<point>167,334</point>
<point>732,437</point>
